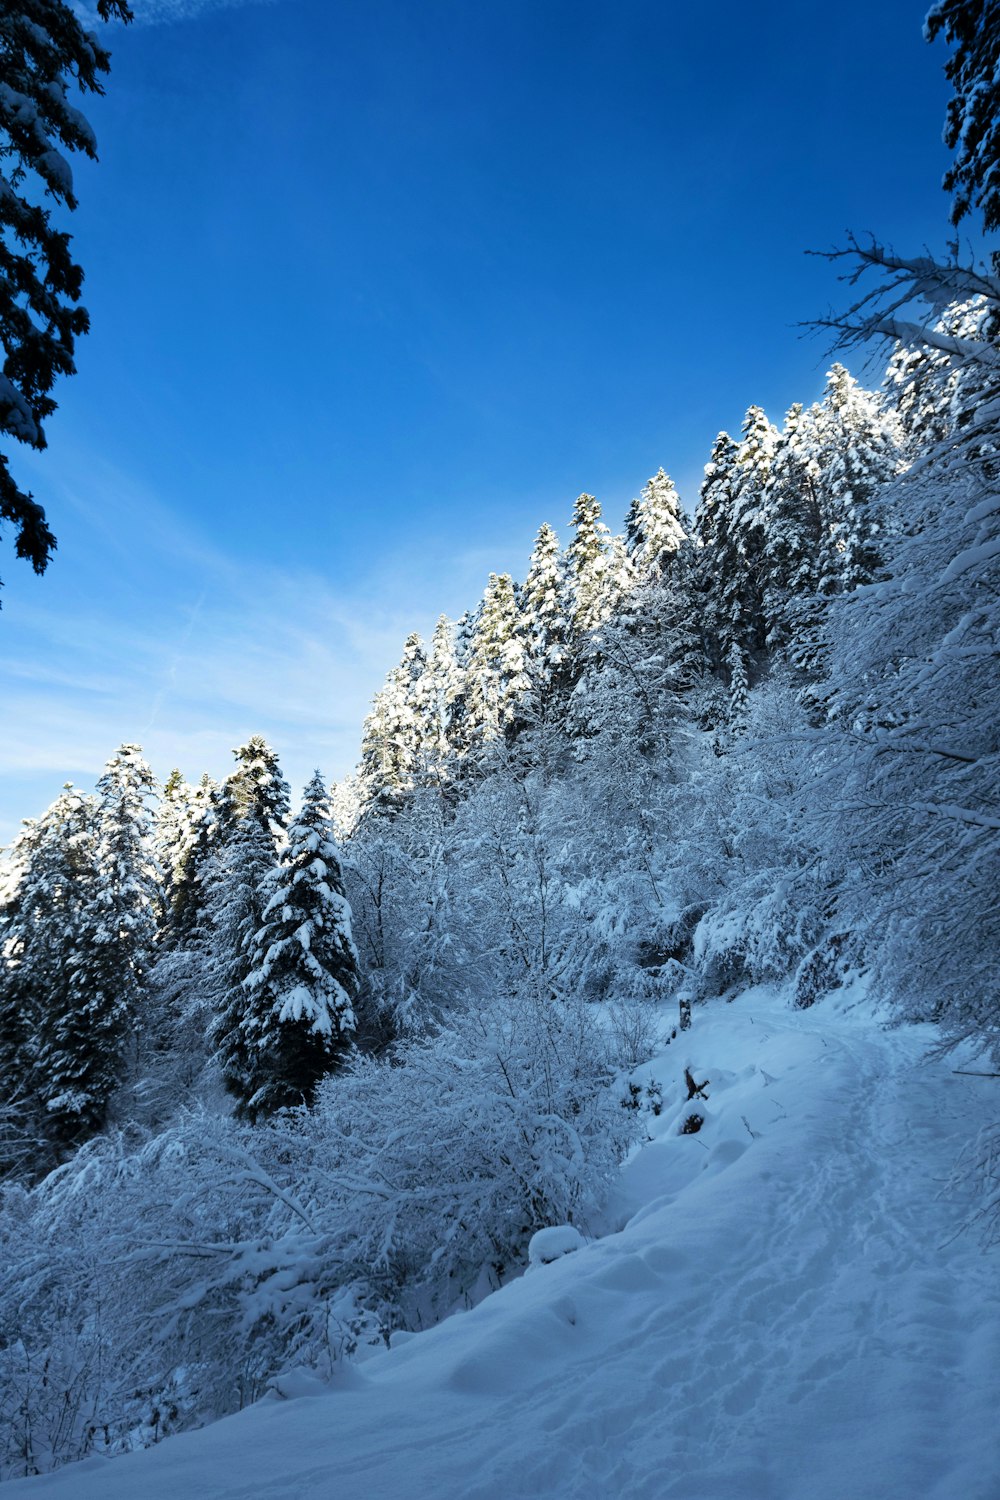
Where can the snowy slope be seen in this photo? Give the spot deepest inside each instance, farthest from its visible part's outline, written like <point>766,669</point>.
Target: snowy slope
<point>787,1315</point>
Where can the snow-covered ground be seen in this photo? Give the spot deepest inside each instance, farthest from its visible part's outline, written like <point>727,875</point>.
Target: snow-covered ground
<point>787,1313</point>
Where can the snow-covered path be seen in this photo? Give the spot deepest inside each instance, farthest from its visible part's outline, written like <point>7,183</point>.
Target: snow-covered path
<point>787,1315</point>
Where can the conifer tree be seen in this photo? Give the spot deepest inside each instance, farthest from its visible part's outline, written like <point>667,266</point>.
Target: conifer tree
<point>44,48</point>
<point>438,694</point>
<point>392,739</point>
<point>546,610</point>
<point>973,123</point>
<point>173,834</point>
<point>63,1012</point>
<point>859,452</point>
<point>799,553</point>
<point>497,678</point>
<point>194,840</point>
<point>588,567</point>
<point>733,531</point>
<point>654,527</point>
<point>822,514</point>
<point>714,531</point>
<point>640,668</point>
<point>299,1017</point>
<point>128,893</point>
<point>751,521</point>
<point>739,686</point>
<point>234,915</point>
<point>256,789</point>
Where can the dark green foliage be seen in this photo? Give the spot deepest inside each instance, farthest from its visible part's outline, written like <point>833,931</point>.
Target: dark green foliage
<point>62,1018</point>
<point>235,904</point>
<point>298,1017</point>
<point>43,50</point>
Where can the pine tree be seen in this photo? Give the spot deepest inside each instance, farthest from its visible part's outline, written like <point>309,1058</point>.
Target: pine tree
<point>43,48</point>
<point>739,686</point>
<point>438,695</point>
<point>256,789</point>
<point>640,669</point>
<point>63,1015</point>
<point>654,527</point>
<point>714,532</point>
<point>497,677</point>
<point>973,123</point>
<point>588,566</point>
<point>173,834</point>
<point>751,522</point>
<point>392,739</point>
<point>822,515</point>
<point>859,451</point>
<point>799,554</point>
<point>128,894</point>
<point>546,610</point>
<point>300,992</point>
<point>234,914</point>
<point>196,833</point>
<point>931,393</point>
<point>733,531</point>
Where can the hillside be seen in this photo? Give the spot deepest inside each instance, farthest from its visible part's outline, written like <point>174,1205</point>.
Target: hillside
<point>787,1309</point>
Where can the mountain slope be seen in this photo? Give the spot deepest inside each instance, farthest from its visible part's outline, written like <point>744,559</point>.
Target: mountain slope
<point>787,1313</point>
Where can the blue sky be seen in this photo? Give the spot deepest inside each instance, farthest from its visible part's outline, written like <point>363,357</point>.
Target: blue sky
<point>377,288</point>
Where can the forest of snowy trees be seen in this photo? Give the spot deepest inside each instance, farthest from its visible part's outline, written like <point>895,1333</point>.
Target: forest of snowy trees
<point>280,1083</point>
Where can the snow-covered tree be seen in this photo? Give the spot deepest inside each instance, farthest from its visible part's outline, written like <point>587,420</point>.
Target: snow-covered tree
<point>299,1015</point>
<point>972,130</point>
<point>496,669</point>
<point>739,685</point>
<point>718,557</point>
<point>654,526</point>
<point>546,611</point>
<point>63,1012</point>
<point>858,445</point>
<point>129,890</point>
<point>589,567</point>
<point>173,836</point>
<point>913,784</point>
<point>393,735</point>
<point>195,829</point>
<point>234,915</point>
<point>438,700</point>
<point>742,601</point>
<point>256,789</point>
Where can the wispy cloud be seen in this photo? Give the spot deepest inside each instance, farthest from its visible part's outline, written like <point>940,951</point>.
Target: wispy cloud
<point>187,649</point>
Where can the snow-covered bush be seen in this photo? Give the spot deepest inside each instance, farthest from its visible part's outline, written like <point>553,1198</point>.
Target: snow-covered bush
<point>502,1122</point>
<point>150,1285</point>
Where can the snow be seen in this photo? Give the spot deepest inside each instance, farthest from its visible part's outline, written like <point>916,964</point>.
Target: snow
<point>781,1307</point>
<point>547,1245</point>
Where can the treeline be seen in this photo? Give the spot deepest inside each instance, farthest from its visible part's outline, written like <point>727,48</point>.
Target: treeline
<point>219,932</point>
<point>786,521</point>
<point>280,1085</point>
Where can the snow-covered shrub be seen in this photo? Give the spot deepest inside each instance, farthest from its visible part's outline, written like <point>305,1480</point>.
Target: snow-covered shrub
<point>633,1029</point>
<point>755,857</point>
<point>150,1285</point>
<point>502,1122</point>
